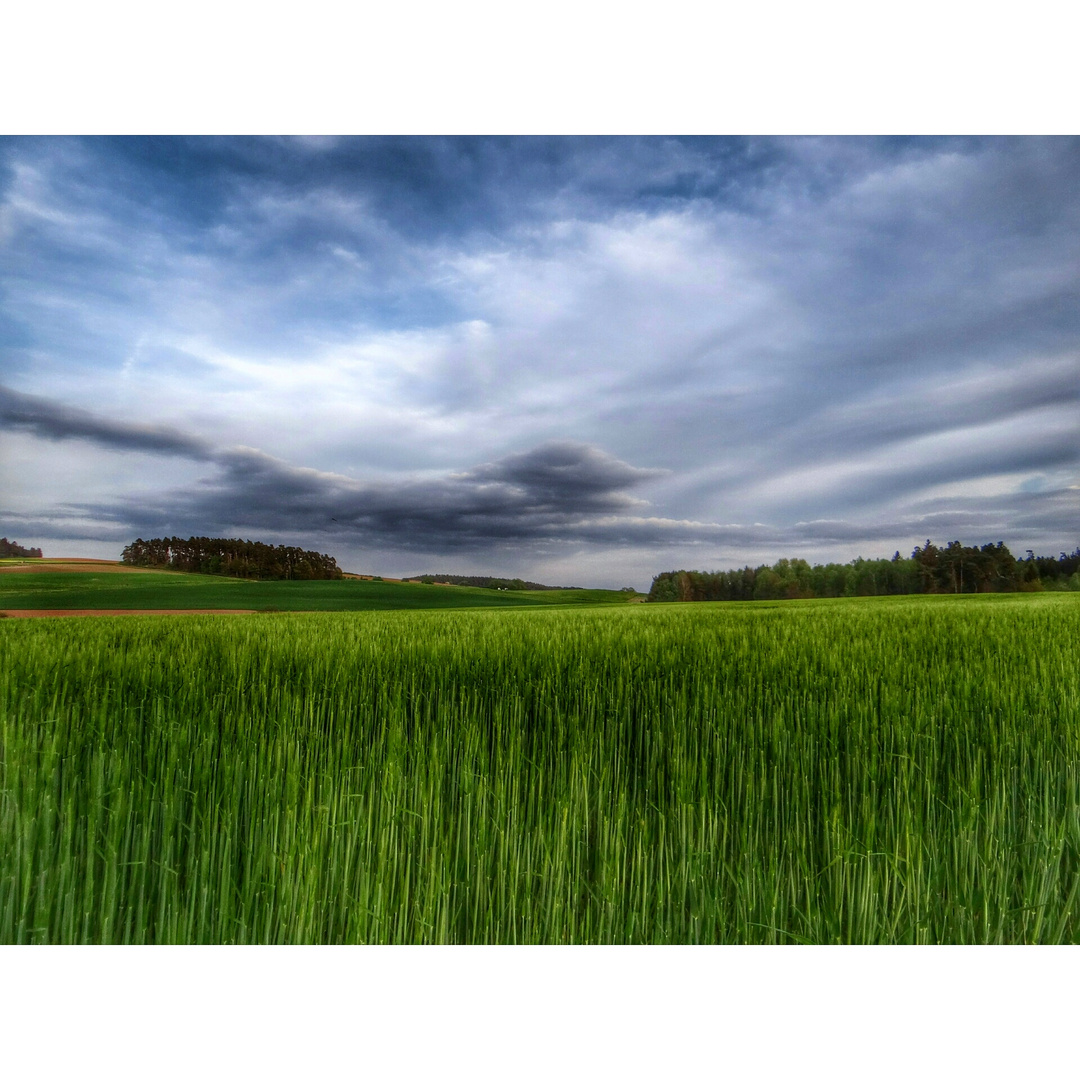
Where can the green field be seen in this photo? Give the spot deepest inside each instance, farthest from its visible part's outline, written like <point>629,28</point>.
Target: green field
<point>147,589</point>
<point>899,770</point>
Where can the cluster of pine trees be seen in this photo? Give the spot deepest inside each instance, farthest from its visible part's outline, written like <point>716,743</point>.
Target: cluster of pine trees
<point>931,569</point>
<point>10,550</point>
<point>233,558</point>
<point>515,584</point>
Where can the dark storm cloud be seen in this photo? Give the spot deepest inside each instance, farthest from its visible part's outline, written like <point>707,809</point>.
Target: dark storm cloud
<point>523,498</point>
<point>52,420</point>
<point>568,477</point>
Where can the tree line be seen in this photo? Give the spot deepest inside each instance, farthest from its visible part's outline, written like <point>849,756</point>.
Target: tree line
<point>930,569</point>
<point>232,558</point>
<point>10,550</point>
<point>480,582</point>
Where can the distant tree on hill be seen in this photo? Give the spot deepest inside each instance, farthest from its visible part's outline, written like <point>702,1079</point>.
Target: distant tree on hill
<point>232,558</point>
<point>10,550</point>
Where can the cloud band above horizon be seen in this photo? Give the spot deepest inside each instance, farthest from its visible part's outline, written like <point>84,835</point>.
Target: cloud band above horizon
<point>822,347</point>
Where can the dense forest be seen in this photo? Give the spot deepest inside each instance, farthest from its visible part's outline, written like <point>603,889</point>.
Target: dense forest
<point>515,584</point>
<point>930,569</point>
<point>10,550</point>
<point>233,558</point>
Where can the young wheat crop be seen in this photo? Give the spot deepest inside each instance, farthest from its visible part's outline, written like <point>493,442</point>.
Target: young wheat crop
<point>837,771</point>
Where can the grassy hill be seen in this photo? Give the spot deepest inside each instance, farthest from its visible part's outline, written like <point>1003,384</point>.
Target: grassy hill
<point>102,588</point>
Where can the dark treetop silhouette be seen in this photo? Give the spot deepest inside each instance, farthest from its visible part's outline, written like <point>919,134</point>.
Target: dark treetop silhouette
<point>10,550</point>
<point>952,569</point>
<point>233,558</point>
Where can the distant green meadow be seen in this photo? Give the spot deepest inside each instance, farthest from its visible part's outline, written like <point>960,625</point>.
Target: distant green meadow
<point>901,770</point>
<point>147,589</point>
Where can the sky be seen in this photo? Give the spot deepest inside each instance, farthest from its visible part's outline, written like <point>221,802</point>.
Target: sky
<point>577,360</point>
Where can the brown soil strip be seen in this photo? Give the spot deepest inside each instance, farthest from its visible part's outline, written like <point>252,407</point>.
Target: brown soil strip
<point>34,613</point>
